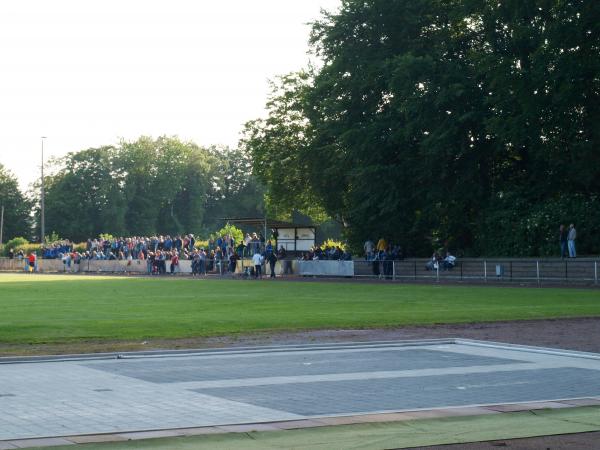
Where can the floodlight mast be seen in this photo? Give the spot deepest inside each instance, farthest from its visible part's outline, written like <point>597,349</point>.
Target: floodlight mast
<point>43,203</point>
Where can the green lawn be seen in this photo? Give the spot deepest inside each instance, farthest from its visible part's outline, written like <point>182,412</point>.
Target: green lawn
<point>39,309</point>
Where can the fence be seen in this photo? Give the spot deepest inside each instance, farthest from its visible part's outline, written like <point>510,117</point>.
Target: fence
<point>538,271</point>
<point>501,270</point>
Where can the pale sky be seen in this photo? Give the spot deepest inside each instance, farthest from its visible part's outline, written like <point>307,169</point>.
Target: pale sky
<point>87,73</point>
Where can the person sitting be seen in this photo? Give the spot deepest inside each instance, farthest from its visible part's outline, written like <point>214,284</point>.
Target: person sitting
<point>449,261</point>
<point>434,263</point>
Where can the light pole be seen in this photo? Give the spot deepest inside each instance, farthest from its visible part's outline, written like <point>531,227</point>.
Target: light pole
<point>43,205</point>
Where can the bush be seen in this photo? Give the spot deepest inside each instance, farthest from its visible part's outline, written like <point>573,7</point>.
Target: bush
<point>19,243</point>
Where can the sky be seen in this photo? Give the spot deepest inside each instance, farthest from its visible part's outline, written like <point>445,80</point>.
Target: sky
<point>89,73</point>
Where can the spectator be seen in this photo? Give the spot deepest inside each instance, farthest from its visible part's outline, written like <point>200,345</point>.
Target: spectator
<point>32,261</point>
<point>368,248</point>
<point>257,260</point>
<point>281,253</point>
<point>272,259</point>
<point>571,237</point>
<point>562,240</point>
<point>174,262</point>
<point>434,263</point>
<point>233,259</point>
<point>449,261</point>
<point>381,245</point>
<point>202,262</point>
<point>219,260</point>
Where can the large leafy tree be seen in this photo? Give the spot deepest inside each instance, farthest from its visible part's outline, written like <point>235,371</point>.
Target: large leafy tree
<point>430,117</point>
<point>17,207</point>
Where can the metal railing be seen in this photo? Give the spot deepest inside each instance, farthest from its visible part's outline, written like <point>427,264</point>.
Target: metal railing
<point>501,270</point>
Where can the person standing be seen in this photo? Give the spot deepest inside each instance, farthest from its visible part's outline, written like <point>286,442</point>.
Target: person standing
<point>257,260</point>
<point>562,239</point>
<point>272,260</point>
<point>202,262</point>
<point>174,262</point>
<point>381,245</point>
<point>368,248</point>
<point>32,261</point>
<point>571,237</point>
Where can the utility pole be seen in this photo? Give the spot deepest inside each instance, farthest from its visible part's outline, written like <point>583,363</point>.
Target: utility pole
<point>43,205</point>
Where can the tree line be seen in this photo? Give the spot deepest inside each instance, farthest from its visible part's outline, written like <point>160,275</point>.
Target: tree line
<point>141,188</point>
<point>471,124</point>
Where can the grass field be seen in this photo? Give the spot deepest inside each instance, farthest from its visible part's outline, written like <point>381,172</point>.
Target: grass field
<point>47,309</point>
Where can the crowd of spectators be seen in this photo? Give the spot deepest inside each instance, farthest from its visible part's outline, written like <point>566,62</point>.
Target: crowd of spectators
<point>328,253</point>
<point>219,255</point>
<point>57,249</point>
<point>382,256</point>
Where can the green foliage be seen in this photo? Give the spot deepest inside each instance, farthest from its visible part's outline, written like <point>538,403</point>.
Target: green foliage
<point>16,207</point>
<point>230,230</point>
<point>52,237</point>
<point>80,247</point>
<point>513,227</point>
<point>149,187</point>
<point>427,117</point>
<point>18,243</point>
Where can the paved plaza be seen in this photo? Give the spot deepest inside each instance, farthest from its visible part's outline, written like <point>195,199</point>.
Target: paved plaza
<point>98,394</point>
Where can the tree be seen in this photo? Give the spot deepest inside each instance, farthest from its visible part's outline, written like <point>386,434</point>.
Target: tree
<point>84,196</point>
<point>148,187</point>
<point>17,220</point>
<point>428,117</point>
<point>235,191</point>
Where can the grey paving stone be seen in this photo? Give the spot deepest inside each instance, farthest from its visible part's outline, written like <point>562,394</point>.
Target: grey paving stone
<point>96,438</point>
<point>292,364</point>
<point>150,434</point>
<point>201,431</point>
<point>364,396</point>
<point>43,442</point>
<point>248,428</point>
<point>297,424</point>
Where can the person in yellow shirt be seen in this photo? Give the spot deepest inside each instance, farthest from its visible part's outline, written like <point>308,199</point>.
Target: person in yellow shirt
<point>381,244</point>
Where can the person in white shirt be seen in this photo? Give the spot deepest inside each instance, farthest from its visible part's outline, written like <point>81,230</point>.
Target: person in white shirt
<point>449,261</point>
<point>257,260</point>
<point>368,248</point>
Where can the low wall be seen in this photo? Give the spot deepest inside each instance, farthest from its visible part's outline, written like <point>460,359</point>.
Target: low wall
<point>498,270</point>
<point>326,268</point>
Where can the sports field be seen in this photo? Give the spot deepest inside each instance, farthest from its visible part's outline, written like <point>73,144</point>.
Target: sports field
<point>47,309</point>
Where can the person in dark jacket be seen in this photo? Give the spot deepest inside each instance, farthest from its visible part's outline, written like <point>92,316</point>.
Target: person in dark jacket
<point>272,259</point>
